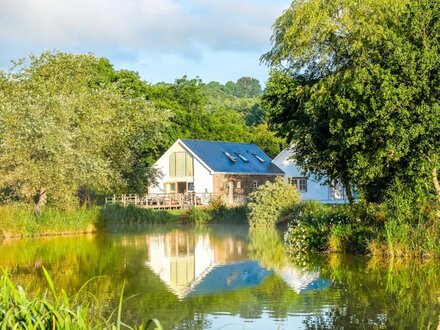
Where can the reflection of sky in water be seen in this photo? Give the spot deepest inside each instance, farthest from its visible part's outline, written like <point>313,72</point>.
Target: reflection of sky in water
<point>266,321</point>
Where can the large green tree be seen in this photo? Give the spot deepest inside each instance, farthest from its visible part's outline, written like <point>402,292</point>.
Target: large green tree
<point>65,126</point>
<point>355,84</point>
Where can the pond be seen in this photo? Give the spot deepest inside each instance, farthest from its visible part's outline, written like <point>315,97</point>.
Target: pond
<point>223,277</point>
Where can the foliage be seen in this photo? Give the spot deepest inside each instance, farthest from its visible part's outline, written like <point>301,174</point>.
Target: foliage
<point>131,214</point>
<point>65,126</point>
<point>356,88</point>
<point>212,111</point>
<point>20,221</point>
<point>270,201</point>
<point>218,213</point>
<point>198,216</point>
<point>318,227</point>
<point>361,229</point>
<point>17,310</point>
<point>404,240</point>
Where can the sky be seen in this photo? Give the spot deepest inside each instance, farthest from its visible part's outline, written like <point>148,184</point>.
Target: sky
<point>216,40</point>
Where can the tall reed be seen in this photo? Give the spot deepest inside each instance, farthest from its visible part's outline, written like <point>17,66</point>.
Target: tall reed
<point>55,310</point>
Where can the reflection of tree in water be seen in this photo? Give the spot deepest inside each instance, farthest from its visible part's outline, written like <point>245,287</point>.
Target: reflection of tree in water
<point>381,295</point>
<point>397,295</point>
<point>266,247</point>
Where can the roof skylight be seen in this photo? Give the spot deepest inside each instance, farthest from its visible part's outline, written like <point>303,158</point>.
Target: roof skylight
<point>243,158</point>
<point>231,158</point>
<point>259,158</point>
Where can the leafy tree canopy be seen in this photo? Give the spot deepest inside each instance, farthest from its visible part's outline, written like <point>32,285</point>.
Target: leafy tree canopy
<point>65,125</point>
<point>355,85</point>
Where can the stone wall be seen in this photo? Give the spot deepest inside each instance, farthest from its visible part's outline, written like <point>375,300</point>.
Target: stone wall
<point>241,184</point>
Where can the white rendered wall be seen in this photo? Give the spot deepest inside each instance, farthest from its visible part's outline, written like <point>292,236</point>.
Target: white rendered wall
<point>315,190</point>
<point>203,179</point>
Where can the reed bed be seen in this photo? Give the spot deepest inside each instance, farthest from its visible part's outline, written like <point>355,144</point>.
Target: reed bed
<point>55,310</point>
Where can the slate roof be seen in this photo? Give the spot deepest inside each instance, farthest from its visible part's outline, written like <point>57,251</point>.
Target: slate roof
<point>231,277</point>
<point>249,159</point>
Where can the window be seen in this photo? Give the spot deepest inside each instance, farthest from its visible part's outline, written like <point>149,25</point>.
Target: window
<point>238,184</point>
<point>172,187</point>
<point>190,186</point>
<point>261,160</point>
<point>181,164</point>
<point>299,183</point>
<point>255,184</point>
<point>231,158</point>
<point>243,158</point>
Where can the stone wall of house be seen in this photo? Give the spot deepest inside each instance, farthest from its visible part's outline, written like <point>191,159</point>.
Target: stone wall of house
<point>242,185</point>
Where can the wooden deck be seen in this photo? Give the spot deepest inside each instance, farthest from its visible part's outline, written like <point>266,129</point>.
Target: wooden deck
<point>162,201</point>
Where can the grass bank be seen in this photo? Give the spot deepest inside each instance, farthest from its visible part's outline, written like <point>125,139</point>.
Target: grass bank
<point>360,229</point>
<point>21,221</point>
<point>216,214</point>
<point>55,310</point>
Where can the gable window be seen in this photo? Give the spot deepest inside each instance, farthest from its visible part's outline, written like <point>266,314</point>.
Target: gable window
<point>299,183</point>
<point>181,164</point>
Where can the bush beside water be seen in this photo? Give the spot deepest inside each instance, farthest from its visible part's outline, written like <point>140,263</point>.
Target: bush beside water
<point>217,212</point>
<point>270,201</point>
<point>361,229</point>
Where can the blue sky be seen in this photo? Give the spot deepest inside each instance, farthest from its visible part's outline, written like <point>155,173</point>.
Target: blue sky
<point>217,40</point>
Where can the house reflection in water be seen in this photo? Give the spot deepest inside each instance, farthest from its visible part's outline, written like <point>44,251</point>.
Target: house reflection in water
<point>196,264</point>
<point>191,264</point>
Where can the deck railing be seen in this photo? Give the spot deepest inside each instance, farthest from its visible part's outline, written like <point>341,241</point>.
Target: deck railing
<point>169,201</point>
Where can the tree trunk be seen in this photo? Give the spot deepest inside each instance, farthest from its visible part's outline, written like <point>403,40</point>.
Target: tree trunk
<point>436,183</point>
<point>348,191</point>
<point>437,190</point>
<point>39,201</point>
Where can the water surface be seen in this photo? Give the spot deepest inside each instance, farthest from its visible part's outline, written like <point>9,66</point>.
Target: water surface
<point>224,277</point>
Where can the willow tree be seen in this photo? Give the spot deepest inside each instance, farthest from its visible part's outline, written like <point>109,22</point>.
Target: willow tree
<point>64,127</point>
<point>355,84</point>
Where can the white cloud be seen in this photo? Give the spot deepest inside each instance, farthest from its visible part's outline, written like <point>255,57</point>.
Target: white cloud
<point>147,24</point>
<point>140,31</point>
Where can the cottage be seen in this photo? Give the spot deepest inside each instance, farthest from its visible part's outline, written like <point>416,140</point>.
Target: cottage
<point>308,186</point>
<point>228,169</point>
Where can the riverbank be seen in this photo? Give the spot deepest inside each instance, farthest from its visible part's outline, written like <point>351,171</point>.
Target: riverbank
<point>362,229</point>
<point>21,221</point>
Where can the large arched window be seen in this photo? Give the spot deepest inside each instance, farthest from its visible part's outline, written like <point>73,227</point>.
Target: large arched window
<point>181,164</point>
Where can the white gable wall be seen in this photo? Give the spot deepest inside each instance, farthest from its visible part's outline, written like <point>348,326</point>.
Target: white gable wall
<point>203,179</point>
<point>315,190</point>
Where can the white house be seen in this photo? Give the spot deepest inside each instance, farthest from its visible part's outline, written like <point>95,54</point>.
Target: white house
<point>308,186</point>
<point>227,169</point>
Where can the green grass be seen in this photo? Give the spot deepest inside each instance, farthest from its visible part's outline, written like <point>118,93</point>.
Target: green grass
<point>118,214</point>
<point>217,214</point>
<point>17,221</point>
<point>21,221</point>
<point>360,229</point>
<point>55,310</point>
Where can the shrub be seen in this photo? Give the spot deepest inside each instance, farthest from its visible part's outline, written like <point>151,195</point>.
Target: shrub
<point>270,201</point>
<point>317,227</point>
<point>198,216</point>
